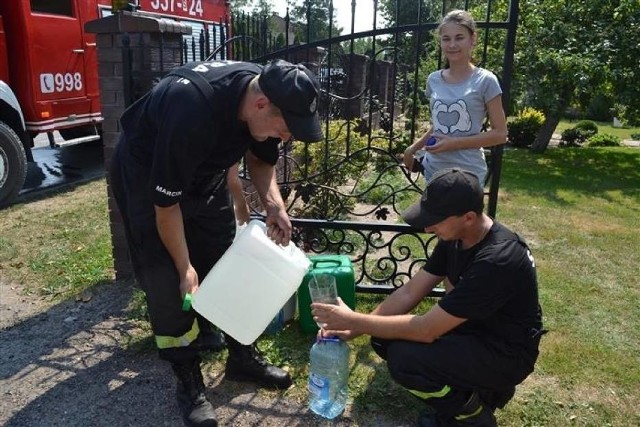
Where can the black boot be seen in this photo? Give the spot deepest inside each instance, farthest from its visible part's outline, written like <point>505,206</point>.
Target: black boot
<point>192,400</point>
<point>209,338</point>
<point>497,399</point>
<point>474,413</point>
<point>245,363</point>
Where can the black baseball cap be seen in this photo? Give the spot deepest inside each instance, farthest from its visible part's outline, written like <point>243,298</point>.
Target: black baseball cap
<point>450,192</point>
<point>294,90</point>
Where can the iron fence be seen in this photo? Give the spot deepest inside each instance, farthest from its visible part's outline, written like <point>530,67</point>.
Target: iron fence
<point>345,194</point>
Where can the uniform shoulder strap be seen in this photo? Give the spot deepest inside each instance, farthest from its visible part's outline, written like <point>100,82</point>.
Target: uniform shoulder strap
<point>198,80</point>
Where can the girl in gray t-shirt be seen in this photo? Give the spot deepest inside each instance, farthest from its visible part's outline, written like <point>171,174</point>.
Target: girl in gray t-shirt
<point>461,96</point>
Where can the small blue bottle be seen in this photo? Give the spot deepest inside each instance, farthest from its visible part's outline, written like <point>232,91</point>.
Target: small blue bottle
<point>328,377</point>
<point>276,324</point>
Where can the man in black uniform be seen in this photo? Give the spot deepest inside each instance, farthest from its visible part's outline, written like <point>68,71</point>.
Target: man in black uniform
<point>168,176</point>
<point>465,356</point>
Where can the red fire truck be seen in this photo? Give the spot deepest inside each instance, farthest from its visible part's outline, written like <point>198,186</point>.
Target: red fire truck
<point>49,72</point>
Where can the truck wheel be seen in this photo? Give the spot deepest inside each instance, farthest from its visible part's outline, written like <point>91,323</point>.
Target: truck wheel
<point>13,165</point>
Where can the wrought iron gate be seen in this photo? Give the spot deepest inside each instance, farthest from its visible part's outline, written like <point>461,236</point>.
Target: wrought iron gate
<point>345,194</point>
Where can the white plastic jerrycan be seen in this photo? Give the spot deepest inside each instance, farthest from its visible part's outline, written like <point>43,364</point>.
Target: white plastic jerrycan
<point>250,283</point>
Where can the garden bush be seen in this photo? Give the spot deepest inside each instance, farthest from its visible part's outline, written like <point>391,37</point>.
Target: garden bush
<point>524,127</point>
<point>587,127</point>
<point>577,135</point>
<point>327,168</point>
<point>603,140</point>
<point>573,137</point>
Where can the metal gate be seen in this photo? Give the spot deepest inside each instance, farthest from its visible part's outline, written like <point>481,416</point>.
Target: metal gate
<point>345,194</point>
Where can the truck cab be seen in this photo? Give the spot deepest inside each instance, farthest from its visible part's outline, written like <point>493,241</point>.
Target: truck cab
<point>49,73</point>
<point>49,67</point>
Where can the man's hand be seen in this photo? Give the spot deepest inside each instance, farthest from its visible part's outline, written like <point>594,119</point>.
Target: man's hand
<point>347,335</point>
<point>279,226</point>
<point>264,180</point>
<point>335,319</point>
<point>189,282</point>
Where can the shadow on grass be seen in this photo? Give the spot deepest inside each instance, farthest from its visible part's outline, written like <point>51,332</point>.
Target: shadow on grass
<point>375,399</point>
<point>381,398</point>
<point>591,171</point>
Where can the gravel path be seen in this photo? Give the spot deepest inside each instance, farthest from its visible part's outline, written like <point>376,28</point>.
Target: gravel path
<point>66,365</point>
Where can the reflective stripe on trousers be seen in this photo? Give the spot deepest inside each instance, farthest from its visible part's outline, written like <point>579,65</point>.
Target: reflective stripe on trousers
<point>181,341</point>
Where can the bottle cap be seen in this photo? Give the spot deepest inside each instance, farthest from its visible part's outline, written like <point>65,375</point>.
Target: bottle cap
<point>328,339</point>
<point>186,302</point>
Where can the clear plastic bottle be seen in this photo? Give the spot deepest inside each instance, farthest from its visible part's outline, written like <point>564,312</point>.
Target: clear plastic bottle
<point>328,377</point>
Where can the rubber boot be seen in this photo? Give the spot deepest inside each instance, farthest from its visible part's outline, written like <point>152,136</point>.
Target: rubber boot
<point>245,363</point>
<point>196,409</point>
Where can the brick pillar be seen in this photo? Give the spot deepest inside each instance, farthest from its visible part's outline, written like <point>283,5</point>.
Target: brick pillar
<point>383,82</point>
<point>310,58</point>
<point>154,48</point>
<point>355,66</point>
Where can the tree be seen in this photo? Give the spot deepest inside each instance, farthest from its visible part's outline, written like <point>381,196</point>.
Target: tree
<point>255,7</point>
<point>362,46</point>
<point>622,42</point>
<point>566,50</point>
<point>552,65</point>
<point>313,19</point>
<point>398,13</point>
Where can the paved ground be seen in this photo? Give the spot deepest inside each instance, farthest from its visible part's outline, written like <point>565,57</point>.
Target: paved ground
<point>631,143</point>
<point>57,167</point>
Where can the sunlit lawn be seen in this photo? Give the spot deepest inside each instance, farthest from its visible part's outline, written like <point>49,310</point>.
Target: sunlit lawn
<point>603,127</point>
<point>579,209</point>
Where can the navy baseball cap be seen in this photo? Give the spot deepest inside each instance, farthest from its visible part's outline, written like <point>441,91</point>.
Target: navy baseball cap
<point>450,192</point>
<point>294,90</point>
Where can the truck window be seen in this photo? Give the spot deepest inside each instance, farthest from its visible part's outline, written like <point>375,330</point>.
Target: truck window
<point>54,7</point>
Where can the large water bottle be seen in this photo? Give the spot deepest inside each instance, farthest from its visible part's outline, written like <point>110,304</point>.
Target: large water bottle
<point>328,377</point>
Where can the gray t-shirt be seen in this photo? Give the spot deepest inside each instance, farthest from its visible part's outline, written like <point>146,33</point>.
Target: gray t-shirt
<point>459,109</point>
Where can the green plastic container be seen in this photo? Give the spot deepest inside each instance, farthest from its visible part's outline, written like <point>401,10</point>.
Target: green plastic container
<point>338,266</point>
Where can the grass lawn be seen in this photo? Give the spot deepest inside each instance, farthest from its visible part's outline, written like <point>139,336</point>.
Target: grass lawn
<point>603,127</point>
<point>577,207</point>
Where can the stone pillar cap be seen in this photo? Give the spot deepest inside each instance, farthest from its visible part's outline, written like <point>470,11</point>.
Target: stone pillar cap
<point>135,22</point>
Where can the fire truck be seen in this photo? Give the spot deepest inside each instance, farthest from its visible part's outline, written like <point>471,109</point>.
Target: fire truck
<point>49,72</point>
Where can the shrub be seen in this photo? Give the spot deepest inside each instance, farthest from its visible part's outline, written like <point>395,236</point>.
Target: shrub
<point>321,172</point>
<point>525,126</point>
<point>588,127</point>
<point>573,137</point>
<point>635,136</point>
<point>382,188</point>
<point>603,140</point>
<point>577,135</point>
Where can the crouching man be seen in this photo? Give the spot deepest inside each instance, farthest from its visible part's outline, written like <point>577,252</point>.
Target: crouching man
<point>465,355</point>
